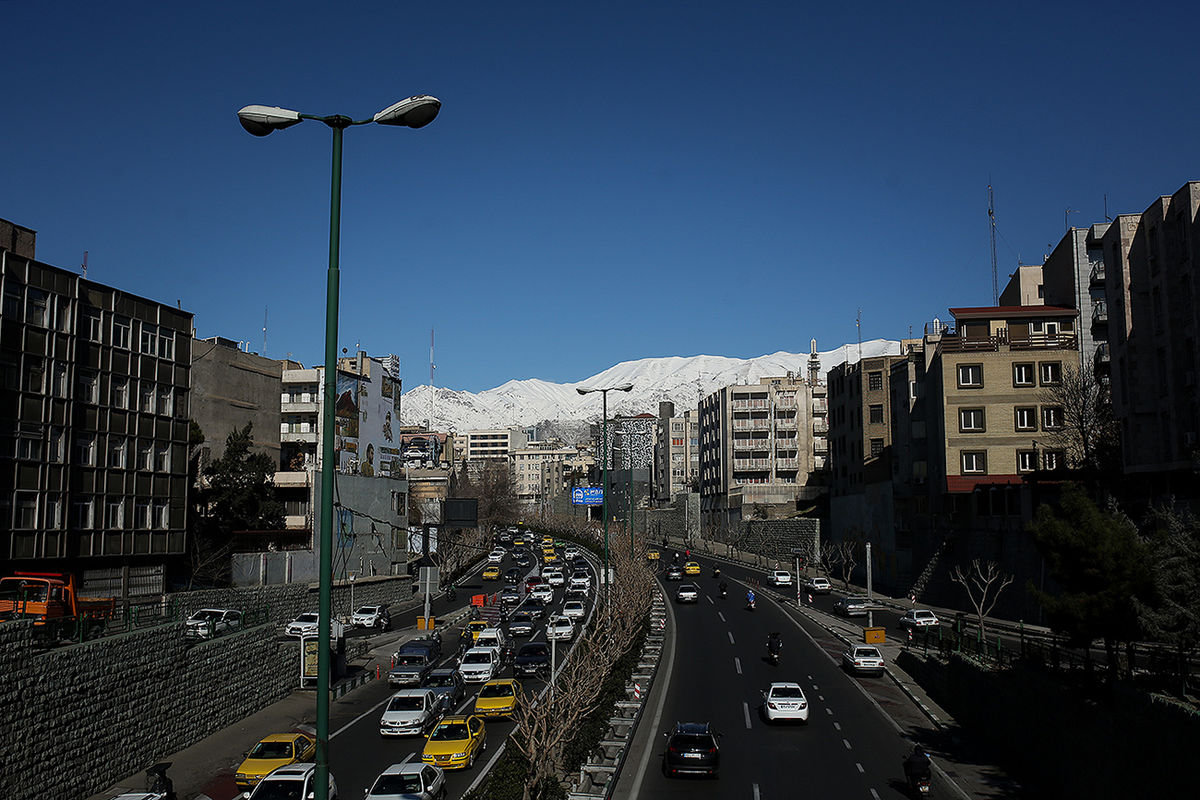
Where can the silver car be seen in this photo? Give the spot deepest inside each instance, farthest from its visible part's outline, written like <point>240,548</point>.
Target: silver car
<point>863,659</point>
<point>919,618</point>
<point>409,782</point>
<point>688,593</point>
<point>410,712</point>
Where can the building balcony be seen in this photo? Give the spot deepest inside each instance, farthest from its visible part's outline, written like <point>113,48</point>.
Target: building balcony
<point>1101,356</point>
<point>1034,341</point>
<point>819,462</point>
<point>742,405</point>
<point>1097,276</point>
<point>820,408</point>
<point>751,424</point>
<point>821,447</point>
<point>291,480</point>
<point>290,407</point>
<point>1099,313</point>
<point>785,424</point>
<point>751,463</point>
<point>289,437</point>
<point>749,444</point>
<point>820,427</point>
<point>296,522</point>
<point>785,402</point>
<point>787,463</point>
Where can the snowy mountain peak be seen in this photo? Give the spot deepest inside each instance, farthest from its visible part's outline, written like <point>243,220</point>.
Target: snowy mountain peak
<point>682,380</point>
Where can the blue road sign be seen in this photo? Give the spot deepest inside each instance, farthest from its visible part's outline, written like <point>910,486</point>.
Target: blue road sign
<point>587,496</point>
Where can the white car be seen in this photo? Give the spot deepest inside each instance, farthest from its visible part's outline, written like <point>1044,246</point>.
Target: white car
<point>410,712</point>
<point>294,780</point>
<point>818,585</point>
<point>580,584</point>
<point>919,618</point>
<point>554,577</point>
<point>784,700</point>
<point>560,628</point>
<point>571,553</point>
<point>543,592</point>
<point>780,578</point>
<point>687,593</point>
<point>495,557</point>
<point>574,609</point>
<point>409,782</point>
<point>492,637</point>
<point>303,625</point>
<point>371,617</point>
<point>863,659</point>
<point>479,664</point>
<point>209,622</point>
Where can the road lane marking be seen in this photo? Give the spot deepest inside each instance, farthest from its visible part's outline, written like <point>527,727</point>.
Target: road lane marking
<point>821,697</point>
<point>354,721</point>
<point>737,663</point>
<point>829,711</point>
<point>407,757</point>
<point>816,688</point>
<point>709,599</point>
<point>721,614</point>
<point>746,711</point>
<point>754,786</point>
<point>730,637</point>
<point>664,669</point>
<point>875,794</point>
<point>837,726</point>
<point>847,743</point>
<point>860,768</point>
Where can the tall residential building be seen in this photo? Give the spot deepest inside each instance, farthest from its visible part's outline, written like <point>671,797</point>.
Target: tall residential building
<point>1151,266</point>
<point>860,419</point>
<point>495,444</point>
<point>94,398</point>
<point>763,446</point>
<point>676,452</point>
<point>534,467</point>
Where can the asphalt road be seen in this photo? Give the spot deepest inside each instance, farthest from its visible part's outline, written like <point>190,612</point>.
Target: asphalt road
<point>358,754</point>
<point>848,749</point>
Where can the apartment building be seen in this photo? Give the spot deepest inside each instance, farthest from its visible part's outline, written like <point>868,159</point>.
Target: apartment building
<point>495,444</point>
<point>860,420</point>
<point>94,398</point>
<point>534,469</point>
<point>763,446</point>
<point>676,452</point>
<point>1151,262</point>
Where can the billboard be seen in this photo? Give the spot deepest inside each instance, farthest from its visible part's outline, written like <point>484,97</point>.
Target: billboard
<point>366,410</point>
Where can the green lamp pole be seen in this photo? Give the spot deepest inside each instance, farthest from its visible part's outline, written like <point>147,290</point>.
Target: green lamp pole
<point>415,112</point>
<point>621,387</point>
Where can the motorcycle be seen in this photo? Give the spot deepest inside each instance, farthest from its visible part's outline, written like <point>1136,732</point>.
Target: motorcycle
<point>773,657</point>
<point>919,786</point>
<point>716,572</point>
<point>451,594</point>
<point>749,605</point>
<point>724,594</point>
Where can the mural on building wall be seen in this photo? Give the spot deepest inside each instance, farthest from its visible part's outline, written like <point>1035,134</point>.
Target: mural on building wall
<point>365,410</point>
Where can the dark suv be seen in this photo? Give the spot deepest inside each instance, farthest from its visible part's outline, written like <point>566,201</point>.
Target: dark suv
<point>692,749</point>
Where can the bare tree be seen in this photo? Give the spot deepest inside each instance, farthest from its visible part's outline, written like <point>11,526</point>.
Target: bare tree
<point>842,556</point>
<point>980,583</point>
<point>1089,435</point>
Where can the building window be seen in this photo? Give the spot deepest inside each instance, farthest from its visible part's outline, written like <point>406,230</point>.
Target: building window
<point>970,376</point>
<point>120,393</point>
<point>145,456</point>
<point>147,398</point>
<point>13,302</point>
<point>29,446</point>
<point>54,520</point>
<point>85,514</point>
<point>85,451</point>
<point>162,458</point>
<point>114,516</point>
<point>1052,418</point>
<point>1023,375</point>
<point>1051,373</point>
<point>141,516</point>
<point>1051,459</point>
<point>970,420</point>
<point>875,413</point>
<point>874,381</point>
<point>1026,460</point>
<point>149,339</point>
<point>166,344</point>
<point>38,311</point>
<point>122,328</point>
<point>117,455</point>
<point>27,511</point>
<point>1025,418</point>
<point>974,462</point>
<point>165,406</point>
<point>87,387</point>
<point>58,381</point>
<point>91,323</point>
<point>876,447</point>
<point>162,518</point>
<point>56,451</point>
<point>35,374</point>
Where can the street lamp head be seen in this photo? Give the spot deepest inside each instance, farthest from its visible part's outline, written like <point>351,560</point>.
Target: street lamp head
<point>414,112</point>
<point>581,390</point>
<point>624,387</point>
<point>262,120</point>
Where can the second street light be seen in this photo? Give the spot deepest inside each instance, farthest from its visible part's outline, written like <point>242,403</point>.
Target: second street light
<point>413,112</point>
<point>620,387</point>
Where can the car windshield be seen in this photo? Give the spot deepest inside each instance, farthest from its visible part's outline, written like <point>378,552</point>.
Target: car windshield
<point>686,741</point>
<point>279,790</point>
<point>521,616</point>
<point>787,691</point>
<point>497,690</point>
<point>367,610</point>
<point>867,652</point>
<point>436,681</point>
<point>387,785</point>
<point>449,732</point>
<point>477,658</point>
<point>206,615</point>
<point>534,650</point>
<point>410,660</point>
<point>271,750</point>
<point>307,618</point>
<point>407,703</point>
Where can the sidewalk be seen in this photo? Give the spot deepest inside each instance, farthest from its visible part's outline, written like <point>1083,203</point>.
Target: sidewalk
<point>196,769</point>
<point>916,716</point>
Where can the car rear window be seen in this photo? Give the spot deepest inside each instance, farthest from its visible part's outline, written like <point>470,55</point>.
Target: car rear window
<point>867,652</point>
<point>692,741</point>
<point>787,691</point>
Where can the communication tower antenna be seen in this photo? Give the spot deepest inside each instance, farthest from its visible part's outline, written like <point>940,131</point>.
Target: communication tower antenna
<point>265,310</point>
<point>85,252</point>
<point>992,223</point>
<point>858,325</point>
<point>432,367</point>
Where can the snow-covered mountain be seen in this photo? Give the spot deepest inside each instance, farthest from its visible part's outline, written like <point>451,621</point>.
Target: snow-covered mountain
<point>681,380</point>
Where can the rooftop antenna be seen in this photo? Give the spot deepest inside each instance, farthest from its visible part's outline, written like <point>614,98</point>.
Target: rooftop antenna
<point>265,310</point>
<point>1107,218</point>
<point>858,325</point>
<point>432,367</point>
<point>1067,217</point>
<point>992,223</point>
<point>85,252</point>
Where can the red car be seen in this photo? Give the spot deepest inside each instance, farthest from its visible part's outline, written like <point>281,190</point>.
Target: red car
<point>530,582</point>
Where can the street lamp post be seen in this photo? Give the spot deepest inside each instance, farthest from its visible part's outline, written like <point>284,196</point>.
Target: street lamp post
<point>413,112</point>
<point>621,387</point>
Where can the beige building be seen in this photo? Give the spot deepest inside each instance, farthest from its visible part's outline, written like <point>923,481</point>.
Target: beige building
<point>495,444</point>
<point>538,471</point>
<point>676,452</point>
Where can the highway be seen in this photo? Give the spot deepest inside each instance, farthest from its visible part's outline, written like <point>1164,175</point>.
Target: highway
<point>848,748</point>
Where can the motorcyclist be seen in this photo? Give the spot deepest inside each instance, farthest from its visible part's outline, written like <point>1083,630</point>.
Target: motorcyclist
<point>724,587</point>
<point>774,643</point>
<point>716,572</point>
<point>917,766</point>
<point>750,597</point>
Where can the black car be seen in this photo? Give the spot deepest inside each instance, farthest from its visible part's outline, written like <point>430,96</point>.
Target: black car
<point>532,659</point>
<point>535,607</point>
<point>523,558</point>
<point>674,574</point>
<point>512,576</point>
<point>446,682</point>
<point>521,624</point>
<point>692,749</point>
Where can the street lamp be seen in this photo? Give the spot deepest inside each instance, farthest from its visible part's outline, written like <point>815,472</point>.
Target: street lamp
<point>620,387</point>
<point>413,112</point>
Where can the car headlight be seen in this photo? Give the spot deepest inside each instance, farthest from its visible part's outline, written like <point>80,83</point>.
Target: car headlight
<point>459,755</point>
<point>241,776</point>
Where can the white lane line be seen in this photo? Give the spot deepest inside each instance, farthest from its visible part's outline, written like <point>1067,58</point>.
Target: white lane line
<point>810,677</point>
<point>837,726</point>
<point>721,615</point>
<point>821,697</point>
<point>709,599</point>
<point>829,711</point>
<point>737,664</point>
<point>816,688</point>
<point>754,786</point>
<point>860,768</point>
<point>407,757</point>
<point>746,712</point>
<point>875,794</point>
<point>847,743</point>
<point>354,721</point>
<point>730,637</point>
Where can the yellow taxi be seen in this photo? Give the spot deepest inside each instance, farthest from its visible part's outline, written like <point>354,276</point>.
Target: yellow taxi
<point>652,554</point>
<point>547,541</point>
<point>477,625</point>
<point>549,557</point>
<point>498,698</point>
<point>272,752</point>
<point>492,573</point>
<point>691,568</point>
<point>455,742</point>
<point>518,541</point>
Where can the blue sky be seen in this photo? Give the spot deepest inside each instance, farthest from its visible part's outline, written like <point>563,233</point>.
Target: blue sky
<point>606,181</point>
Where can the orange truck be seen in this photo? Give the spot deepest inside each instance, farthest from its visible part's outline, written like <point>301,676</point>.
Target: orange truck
<point>47,597</point>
